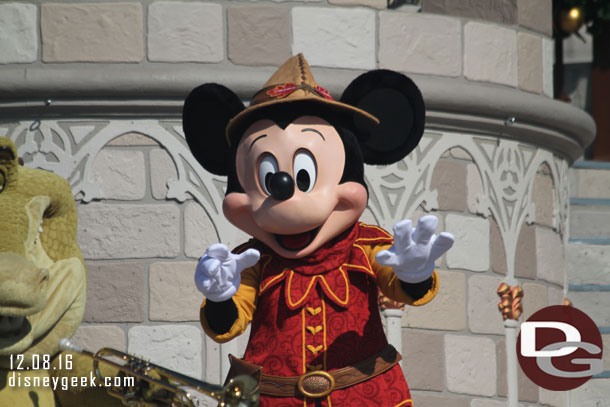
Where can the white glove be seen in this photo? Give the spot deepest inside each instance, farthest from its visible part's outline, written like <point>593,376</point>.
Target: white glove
<point>218,273</point>
<point>414,251</point>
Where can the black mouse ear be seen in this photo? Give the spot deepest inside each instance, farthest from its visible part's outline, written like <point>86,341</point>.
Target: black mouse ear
<point>395,100</point>
<point>207,111</point>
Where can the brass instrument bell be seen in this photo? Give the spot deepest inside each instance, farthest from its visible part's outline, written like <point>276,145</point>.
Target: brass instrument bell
<point>156,386</point>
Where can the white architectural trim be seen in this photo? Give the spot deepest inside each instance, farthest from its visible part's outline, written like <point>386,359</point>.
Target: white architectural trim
<point>111,90</point>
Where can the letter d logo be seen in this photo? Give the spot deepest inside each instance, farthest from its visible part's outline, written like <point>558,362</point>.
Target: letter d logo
<point>528,338</point>
<point>559,348</point>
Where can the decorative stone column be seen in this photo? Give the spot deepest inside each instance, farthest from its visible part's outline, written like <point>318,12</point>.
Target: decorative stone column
<point>392,314</point>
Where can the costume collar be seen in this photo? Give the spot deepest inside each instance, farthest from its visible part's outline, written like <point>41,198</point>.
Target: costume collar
<point>326,268</point>
<point>328,257</point>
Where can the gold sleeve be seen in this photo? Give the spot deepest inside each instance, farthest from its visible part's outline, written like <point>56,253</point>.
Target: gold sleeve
<point>245,300</point>
<point>389,283</point>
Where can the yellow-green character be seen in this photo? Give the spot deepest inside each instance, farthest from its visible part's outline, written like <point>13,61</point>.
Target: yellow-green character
<point>43,285</point>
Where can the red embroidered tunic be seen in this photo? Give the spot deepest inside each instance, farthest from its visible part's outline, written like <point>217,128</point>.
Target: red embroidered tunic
<point>321,312</point>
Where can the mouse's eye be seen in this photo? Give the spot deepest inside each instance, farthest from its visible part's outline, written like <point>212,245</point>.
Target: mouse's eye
<point>304,171</point>
<point>267,166</point>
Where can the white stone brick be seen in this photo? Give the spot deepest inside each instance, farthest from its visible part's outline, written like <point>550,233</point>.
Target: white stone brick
<point>162,170</point>
<point>212,361</point>
<point>199,232</point>
<point>419,212</point>
<point>92,32</point>
<point>460,154</point>
<point>548,60</point>
<point>550,263</point>
<point>490,53</point>
<point>590,221</point>
<point>498,252</point>
<point>535,297</point>
<point>121,173</point>
<point>379,4</point>
<point>420,43</point>
<point>470,365</point>
<point>552,398</point>
<point>128,231</point>
<point>18,33</point>
<point>500,11</point>
<point>259,35</point>
<point>214,356</point>
<point>492,403</point>
<point>588,264</point>
<point>185,32</point>
<point>173,294</point>
<point>471,248</point>
<point>95,337</point>
<point>487,403</point>
<point>131,139</point>
<point>594,393</point>
<point>116,292</point>
<point>449,181</point>
<point>424,361</point>
<point>336,38</point>
<point>555,296</point>
<point>593,303</point>
<point>483,314</point>
<point>593,183</point>
<point>434,399</point>
<point>176,347</point>
<point>447,311</point>
<point>474,186</point>
<point>536,15</point>
<point>543,197</point>
<point>530,62</point>
<point>573,182</point>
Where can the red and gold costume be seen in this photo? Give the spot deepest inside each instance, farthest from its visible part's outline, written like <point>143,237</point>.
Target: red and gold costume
<point>320,313</point>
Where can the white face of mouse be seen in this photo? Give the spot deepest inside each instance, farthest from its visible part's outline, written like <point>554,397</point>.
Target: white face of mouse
<point>292,198</point>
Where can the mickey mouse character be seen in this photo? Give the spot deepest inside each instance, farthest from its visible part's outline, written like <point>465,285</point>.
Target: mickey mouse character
<point>309,279</point>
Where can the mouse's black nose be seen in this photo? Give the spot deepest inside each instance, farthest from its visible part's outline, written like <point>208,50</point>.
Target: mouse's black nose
<point>281,186</point>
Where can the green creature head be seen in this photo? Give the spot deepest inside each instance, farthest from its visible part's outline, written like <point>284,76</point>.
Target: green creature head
<point>42,272</point>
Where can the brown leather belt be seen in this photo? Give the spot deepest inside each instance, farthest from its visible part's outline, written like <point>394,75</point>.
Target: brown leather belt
<point>317,383</point>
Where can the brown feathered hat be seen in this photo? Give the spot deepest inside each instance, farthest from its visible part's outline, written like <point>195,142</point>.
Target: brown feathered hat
<point>293,82</point>
<point>383,109</point>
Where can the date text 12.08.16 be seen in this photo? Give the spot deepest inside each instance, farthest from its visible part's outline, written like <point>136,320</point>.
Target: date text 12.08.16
<point>35,361</point>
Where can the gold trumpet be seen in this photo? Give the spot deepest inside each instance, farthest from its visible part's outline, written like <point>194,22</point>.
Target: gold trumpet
<point>155,386</point>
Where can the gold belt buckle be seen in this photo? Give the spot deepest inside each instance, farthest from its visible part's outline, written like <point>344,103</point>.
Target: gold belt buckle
<point>316,384</point>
